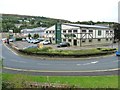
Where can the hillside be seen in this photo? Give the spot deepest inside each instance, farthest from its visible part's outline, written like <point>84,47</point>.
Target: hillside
<point>18,22</point>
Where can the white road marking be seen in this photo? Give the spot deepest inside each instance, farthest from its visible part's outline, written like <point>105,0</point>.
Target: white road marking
<point>11,50</point>
<point>18,69</point>
<point>88,63</point>
<point>17,61</point>
<point>94,62</point>
<point>78,64</point>
<point>42,64</point>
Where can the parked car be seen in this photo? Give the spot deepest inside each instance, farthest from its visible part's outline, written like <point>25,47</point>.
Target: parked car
<point>28,40</point>
<point>30,47</point>
<point>45,42</point>
<point>31,41</point>
<point>23,39</point>
<point>40,39</point>
<point>35,41</point>
<point>63,44</point>
<point>117,53</point>
<point>11,40</point>
<point>4,40</point>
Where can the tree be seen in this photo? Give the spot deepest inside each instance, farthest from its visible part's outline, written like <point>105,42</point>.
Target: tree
<point>29,35</point>
<point>35,36</point>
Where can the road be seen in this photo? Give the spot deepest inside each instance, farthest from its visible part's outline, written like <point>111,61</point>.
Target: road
<point>14,63</point>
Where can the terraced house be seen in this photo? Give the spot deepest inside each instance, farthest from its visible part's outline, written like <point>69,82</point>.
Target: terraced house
<point>81,35</point>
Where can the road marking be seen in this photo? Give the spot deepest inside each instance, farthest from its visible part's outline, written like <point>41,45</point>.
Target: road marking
<point>10,50</point>
<point>18,61</point>
<point>16,69</point>
<point>88,63</point>
<point>42,64</point>
<point>94,62</point>
<point>79,64</point>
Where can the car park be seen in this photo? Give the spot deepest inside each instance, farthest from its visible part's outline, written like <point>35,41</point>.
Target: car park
<point>63,44</point>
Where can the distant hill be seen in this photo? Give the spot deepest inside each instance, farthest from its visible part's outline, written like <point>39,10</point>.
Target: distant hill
<point>9,21</point>
<point>18,22</point>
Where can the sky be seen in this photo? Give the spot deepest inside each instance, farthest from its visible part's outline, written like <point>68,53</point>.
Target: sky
<point>73,10</point>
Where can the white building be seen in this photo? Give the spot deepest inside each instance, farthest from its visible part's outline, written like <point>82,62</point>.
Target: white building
<point>81,35</point>
<point>38,30</point>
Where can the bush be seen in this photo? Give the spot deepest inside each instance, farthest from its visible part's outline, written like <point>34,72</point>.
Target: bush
<point>18,39</point>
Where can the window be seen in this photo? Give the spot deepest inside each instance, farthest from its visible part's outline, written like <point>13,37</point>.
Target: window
<point>69,31</point>
<point>69,40</point>
<point>99,40</point>
<point>90,31</point>
<point>53,32</point>
<point>64,31</point>
<point>90,40</point>
<point>46,31</point>
<point>49,31</point>
<point>99,33</point>
<point>107,32</point>
<point>110,39</point>
<point>106,39</point>
<point>64,40</point>
<point>83,40</point>
<point>111,31</point>
<point>75,31</point>
<point>84,31</point>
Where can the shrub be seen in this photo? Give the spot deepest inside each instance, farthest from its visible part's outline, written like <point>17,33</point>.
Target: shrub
<point>18,39</point>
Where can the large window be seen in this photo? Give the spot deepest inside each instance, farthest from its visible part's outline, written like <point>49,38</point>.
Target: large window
<point>99,33</point>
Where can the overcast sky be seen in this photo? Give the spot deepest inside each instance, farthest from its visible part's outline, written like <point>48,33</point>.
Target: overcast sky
<point>73,10</point>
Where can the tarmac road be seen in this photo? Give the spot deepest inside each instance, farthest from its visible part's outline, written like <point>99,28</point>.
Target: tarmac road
<point>14,63</point>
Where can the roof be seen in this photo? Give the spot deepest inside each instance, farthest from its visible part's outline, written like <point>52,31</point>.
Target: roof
<point>76,26</point>
<point>86,26</point>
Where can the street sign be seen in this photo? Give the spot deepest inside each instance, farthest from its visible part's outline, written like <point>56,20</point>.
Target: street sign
<point>58,33</point>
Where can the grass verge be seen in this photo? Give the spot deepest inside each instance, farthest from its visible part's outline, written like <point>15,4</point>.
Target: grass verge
<point>47,51</point>
<point>71,81</point>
